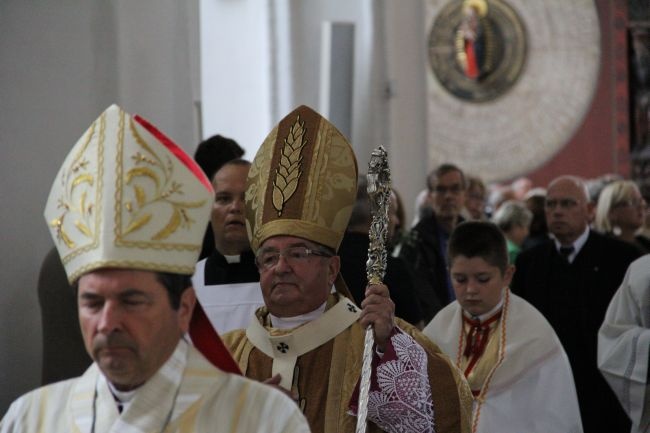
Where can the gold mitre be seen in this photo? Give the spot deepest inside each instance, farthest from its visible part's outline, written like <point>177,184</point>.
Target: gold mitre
<point>302,182</point>
<point>127,197</point>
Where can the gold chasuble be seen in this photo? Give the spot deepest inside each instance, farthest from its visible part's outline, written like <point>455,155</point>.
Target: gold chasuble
<point>324,378</point>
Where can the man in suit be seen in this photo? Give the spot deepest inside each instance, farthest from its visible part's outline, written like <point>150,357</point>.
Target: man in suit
<point>570,279</point>
<point>425,247</point>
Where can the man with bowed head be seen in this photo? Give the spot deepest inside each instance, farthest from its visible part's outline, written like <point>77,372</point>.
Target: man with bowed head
<point>515,365</point>
<point>127,212</point>
<point>309,337</point>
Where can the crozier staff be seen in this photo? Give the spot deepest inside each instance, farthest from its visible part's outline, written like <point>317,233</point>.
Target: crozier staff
<point>379,193</point>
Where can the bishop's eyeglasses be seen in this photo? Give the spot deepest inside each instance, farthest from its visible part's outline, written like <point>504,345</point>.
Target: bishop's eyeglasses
<point>267,259</point>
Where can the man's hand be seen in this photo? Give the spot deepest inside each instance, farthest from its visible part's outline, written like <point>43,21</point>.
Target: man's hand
<point>274,381</point>
<point>378,310</point>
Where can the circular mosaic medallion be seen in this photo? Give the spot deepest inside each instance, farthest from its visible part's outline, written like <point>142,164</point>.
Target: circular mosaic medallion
<point>477,52</point>
<point>502,116</point>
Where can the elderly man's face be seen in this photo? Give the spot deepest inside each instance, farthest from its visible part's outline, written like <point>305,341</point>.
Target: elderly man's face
<point>128,324</point>
<point>568,210</point>
<point>295,285</point>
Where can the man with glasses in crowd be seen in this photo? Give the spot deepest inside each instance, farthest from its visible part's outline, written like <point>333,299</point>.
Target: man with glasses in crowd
<point>426,244</point>
<point>571,279</point>
<point>309,337</point>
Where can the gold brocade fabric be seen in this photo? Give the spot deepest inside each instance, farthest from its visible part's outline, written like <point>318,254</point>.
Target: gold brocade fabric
<point>482,367</point>
<point>302,182</point>
<point>127,197</point>
<point>325,378</point>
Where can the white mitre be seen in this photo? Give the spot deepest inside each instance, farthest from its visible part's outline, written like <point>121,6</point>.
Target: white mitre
<point>127,197</point>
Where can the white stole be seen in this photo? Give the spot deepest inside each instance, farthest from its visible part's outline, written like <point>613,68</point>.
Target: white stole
<point>285,349</point>
<point>154,406</point>
<point>228,306</point>
<point>531,375</point>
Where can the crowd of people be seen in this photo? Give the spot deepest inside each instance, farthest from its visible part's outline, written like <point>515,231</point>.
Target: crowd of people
<point>570,244</point>
<point>502,307</point>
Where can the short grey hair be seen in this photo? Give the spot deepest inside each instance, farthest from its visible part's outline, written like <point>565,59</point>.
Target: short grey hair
<point>512,213</point>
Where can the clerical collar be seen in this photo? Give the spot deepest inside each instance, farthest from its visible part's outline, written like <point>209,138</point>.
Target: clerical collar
<point>122,396</point>
<point>173,366</point>
<point>577,244</point>
<point>483,317</point>
<point>233,259</point>
<point>294,322</point>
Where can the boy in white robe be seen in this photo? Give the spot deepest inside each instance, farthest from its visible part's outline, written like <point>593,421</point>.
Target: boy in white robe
<point>127,212</point>
<point>519,374</point>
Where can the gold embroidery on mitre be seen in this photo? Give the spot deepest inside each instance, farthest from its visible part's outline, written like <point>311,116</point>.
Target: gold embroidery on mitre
<point>289,168</point>
<point>167,190</point>
<point>258,179</point>
<point>131,264</point>
<point>73,180</point>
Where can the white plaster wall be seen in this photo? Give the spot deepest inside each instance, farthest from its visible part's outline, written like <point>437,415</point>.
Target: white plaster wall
<point>368,105</point>
<point>261,58</point>
<point>236,71</point>
<point>406,71</point>
<point>62,63</point>
<point>389,100</point>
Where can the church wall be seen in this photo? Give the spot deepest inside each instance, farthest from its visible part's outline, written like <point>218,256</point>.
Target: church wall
<point>62,63</point>
<point>601,144</point>
<point>46,88</point>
